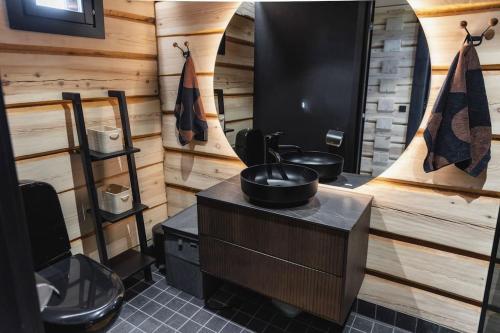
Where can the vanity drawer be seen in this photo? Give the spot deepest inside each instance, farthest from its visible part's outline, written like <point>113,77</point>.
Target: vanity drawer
<point>308,289</point>
<point>305,244</point>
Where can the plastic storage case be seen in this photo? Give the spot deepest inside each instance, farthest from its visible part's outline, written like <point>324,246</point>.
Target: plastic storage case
<point>105,139</point>
<point>182,259</point>
<point>115,198</point>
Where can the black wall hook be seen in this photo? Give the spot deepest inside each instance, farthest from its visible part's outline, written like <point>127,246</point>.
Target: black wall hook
<point>488,33</point>
<point>185,54</point>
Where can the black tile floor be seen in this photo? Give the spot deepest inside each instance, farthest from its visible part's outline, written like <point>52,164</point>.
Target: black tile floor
<point>157,307</point>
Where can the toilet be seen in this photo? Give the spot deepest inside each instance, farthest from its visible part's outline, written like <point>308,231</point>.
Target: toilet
<point>90,295</point>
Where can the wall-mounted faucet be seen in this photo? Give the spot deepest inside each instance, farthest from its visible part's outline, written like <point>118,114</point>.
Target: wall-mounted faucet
<point>334,138</point>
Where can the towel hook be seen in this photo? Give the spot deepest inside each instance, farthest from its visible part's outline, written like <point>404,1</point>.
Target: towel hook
<point>488,33</point>
<point>185,54</point>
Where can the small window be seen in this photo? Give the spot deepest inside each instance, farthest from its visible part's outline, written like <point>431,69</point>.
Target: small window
<point>66,17</point>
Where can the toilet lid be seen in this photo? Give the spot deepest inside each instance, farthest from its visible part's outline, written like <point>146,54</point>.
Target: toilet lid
<point>88,291</point>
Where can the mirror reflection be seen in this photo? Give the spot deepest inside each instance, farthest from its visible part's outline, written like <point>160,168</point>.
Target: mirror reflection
<point>292,85</point>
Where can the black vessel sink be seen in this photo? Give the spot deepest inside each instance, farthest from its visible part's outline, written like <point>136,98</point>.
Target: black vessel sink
<point>279,184</point>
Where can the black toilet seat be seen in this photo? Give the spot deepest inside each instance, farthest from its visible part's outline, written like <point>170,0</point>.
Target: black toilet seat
<point>88,291</point>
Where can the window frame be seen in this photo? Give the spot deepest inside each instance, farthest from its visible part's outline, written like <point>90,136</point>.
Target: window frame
<point>27,15</point>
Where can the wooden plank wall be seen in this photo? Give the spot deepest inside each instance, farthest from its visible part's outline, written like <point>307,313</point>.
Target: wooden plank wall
<point>196,166</point>
<point>431,234</point>
<point>392,61</point>
<point>430,241</point>
<point>234,71</point>
<point>36,68</point>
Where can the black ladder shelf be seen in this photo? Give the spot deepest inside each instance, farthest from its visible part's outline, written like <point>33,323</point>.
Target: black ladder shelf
<point>131,261</point>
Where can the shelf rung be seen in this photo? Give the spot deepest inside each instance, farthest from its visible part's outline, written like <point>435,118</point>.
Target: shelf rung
<point>110,217</point>
<point>97,156</point>
<point>129,262</point>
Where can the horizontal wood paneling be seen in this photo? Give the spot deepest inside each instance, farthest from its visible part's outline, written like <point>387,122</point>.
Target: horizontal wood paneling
<point>151,153</point>
<point>36,77</point>
<point>233,80</point>
<point>237,54</point>
<point>70,213</point>
<point>63,170</point>
<point>134,9</point>
<point>241,28</point>
<point>200,46</point>
<point>74,201</point>
<point>419,303</point>
<point>170,85</point>
<point>123,235</point>
<point>37,67</point>
<point>182,18</point>
<point>47,128</point>
<point>198,172</point>
<point>409,169</point>
<point>122,37</point>
<point>179,199</point>
<point>452,219</point>
<point>246,9</point>
<point>444,36</point>
<point>216,144</point>
<point>436,8</point>
<point>55,170</point>
<point>442,270</point>
<point>238,107</point>
<point>151,185</point>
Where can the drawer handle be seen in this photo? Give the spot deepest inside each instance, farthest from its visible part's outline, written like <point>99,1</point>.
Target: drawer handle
<point>179,244</point>
<point>114,136</point>
<point>125,198</point>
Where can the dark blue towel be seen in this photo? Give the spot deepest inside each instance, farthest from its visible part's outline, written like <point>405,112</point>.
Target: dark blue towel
<point>190,117</point>
<point>459,129</point>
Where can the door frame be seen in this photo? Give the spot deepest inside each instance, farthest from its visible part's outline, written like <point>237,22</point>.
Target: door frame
<point>19,307</point>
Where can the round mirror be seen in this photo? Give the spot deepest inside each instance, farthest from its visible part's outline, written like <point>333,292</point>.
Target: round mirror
<point>320,82</point>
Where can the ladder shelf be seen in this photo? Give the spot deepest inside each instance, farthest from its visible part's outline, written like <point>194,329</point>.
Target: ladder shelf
<point>131,261</point>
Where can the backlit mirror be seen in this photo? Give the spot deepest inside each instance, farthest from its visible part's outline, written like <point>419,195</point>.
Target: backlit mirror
<point>314,75</point>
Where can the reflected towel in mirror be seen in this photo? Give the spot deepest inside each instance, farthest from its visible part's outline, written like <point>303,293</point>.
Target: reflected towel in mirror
<point>191,123</point>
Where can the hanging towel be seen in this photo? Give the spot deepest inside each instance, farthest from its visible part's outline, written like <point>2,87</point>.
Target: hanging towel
<point>459,128</point>
<point>191,123</point>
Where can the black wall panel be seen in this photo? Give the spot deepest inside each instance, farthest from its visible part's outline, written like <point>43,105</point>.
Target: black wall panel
<point>310,63</point>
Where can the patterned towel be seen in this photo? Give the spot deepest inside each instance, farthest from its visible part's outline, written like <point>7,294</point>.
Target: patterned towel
<point>190,116</point>
<point>459,129</point>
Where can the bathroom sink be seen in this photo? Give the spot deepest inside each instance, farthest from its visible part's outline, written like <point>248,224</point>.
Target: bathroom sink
<point>279,184</point>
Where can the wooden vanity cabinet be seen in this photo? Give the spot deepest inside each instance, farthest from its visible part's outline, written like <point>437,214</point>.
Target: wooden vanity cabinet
<point>312,257</point>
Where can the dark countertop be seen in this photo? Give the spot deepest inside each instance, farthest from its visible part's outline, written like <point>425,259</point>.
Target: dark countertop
<point>184,222</point>
<point>349,180</point>
<point>331,207</point>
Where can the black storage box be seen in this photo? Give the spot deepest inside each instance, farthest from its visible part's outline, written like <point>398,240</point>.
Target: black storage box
<point>182,261</point>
